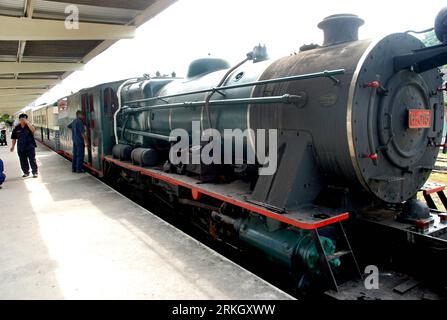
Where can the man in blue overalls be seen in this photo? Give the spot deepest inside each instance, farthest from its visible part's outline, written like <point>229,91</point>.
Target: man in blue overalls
<point>78,137</point>
<point>23,135</point>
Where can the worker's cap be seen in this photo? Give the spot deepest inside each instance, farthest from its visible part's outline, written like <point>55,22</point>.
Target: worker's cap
<point>23,116</point>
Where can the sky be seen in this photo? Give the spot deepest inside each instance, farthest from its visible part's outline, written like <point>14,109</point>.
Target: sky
<point>228,29</point>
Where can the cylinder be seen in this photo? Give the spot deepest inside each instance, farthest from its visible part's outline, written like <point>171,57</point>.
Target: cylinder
<point>286,246</point>
<point>122,152</point>
<point>145,157</point>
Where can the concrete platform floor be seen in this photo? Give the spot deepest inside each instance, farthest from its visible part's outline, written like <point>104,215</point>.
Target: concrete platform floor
<point>69,236</point>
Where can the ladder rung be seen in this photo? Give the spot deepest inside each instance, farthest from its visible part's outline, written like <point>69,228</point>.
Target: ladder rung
<point>338,255</point>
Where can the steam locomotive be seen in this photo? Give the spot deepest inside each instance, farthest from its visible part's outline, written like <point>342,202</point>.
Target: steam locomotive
<point>355,127</point>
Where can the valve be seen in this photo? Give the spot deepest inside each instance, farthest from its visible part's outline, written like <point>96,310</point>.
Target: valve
<point>381,90</point>
<point>423,225</point>
<point>372,84</point>
<point>372,156</point>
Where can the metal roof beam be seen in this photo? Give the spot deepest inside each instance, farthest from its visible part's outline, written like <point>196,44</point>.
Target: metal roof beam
<point>27,13</point>
<point>12,99</point>
<point>151,11</point>
<point>7,111</point>
<point>26,83</point>
<point>21,92</point>
<point>31,67</point>
<point>144,16</point>
<point>28,9</point>
<point>16,105</point>
<point>13,106</point>
<point>16,29</point>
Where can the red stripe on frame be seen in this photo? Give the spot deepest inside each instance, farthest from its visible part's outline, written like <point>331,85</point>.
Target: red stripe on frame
<point>86,165</point>
<point>434,190</point>
<point>235,202</point>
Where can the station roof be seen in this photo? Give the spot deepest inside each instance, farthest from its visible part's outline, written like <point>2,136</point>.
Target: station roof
<point>37,51</point>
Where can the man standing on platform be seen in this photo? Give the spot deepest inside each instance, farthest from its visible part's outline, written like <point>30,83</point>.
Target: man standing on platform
<point>23,136</point>
<point>78,136</point>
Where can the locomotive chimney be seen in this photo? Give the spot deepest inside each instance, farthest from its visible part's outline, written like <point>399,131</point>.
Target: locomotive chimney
<point>340,28</point>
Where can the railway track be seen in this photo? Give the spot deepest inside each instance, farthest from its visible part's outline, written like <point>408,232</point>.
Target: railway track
<point>441,164</point>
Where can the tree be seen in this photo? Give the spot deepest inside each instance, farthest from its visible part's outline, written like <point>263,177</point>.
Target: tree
<point>430,39</point>
<point>6,118</point>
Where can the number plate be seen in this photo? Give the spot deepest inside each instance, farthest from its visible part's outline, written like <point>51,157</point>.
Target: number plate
<point>419,118</point>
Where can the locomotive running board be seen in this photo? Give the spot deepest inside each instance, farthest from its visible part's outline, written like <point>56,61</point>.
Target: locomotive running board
<point>308,218</point>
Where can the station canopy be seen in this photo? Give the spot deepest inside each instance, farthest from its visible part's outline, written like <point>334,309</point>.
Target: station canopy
<point>38,51</point>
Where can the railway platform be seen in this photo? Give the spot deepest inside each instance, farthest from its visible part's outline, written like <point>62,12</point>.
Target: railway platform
<point>69,236</point>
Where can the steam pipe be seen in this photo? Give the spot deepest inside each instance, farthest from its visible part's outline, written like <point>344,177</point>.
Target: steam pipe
<point>222,81</point>
<point>150,135</point>
<point>120,89</point>
<point>286,99</point>
<point>324,74</point>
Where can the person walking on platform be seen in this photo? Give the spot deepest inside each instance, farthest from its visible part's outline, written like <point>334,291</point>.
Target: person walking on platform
<point>2,174</point>
<point>3,141</point>
<point>23,136</point>
<point>79,138</point>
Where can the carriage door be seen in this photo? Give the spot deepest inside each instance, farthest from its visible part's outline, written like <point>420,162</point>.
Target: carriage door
<point>110,107</point>
<point>47,121</point>
<point>87,106</point>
